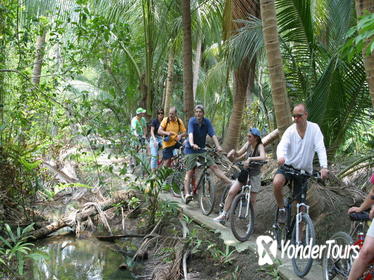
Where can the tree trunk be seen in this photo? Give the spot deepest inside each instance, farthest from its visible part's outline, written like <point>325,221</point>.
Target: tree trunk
<point>243,76</point>
<point>148,40</point>
<point>196,69</point>
<point>169,81</point>
<point>2,74</point>
<point>40,44</point>
<point>277,78</point>
<point>187,60</point>
<point>122,197</point>
<point>361,6</point>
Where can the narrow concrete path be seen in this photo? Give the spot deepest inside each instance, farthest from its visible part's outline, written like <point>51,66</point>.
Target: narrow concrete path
<point>285,269</point>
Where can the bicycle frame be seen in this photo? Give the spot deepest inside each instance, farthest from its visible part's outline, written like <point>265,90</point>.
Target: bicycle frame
<point>301,207</point>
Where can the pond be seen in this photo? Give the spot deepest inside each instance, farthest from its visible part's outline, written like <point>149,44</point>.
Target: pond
<point>71,259</point>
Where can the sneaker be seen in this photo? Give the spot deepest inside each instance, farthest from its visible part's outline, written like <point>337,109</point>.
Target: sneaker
<point>221,218</point>
<point>282,216</point>
<point>188,198</point>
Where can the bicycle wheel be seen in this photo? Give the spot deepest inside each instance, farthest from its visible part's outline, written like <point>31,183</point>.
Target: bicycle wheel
<point>176,183</point>
<point>337,268</point>
<point>307,236</point>
<point>280,233</point>
<point>242,217</point>
<point>206,193</point>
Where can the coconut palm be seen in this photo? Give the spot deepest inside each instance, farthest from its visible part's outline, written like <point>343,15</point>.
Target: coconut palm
<point>277,78</point>
<point>361,7</point>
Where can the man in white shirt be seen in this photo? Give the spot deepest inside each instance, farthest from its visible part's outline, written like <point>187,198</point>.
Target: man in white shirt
<point>297,147</point>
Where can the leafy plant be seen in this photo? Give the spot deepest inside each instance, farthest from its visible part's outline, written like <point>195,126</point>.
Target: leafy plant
<point>221,256</point>
<point>15,248</point>
<point>272,270</point>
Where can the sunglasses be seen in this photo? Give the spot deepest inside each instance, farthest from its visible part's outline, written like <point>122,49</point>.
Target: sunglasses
<point>297,115</point>
<point>160,113</point>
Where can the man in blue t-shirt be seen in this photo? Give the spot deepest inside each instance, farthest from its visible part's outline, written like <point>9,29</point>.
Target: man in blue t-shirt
<point>198,128</point>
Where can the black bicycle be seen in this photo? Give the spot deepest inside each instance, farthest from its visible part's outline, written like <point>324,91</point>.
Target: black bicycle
<point>204,188</point>
<point>298,228</point>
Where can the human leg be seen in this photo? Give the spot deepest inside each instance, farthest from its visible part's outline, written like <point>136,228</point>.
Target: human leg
<point>153,144</point>
<point>219,173</point>
<point>234,189</point>
<point>365,256</point>
<point>278,183</point>
<point>167,154</point>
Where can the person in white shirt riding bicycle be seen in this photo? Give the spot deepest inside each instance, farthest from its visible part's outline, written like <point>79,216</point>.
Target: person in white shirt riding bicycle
<point>255,151</point>
<point>296,149</point>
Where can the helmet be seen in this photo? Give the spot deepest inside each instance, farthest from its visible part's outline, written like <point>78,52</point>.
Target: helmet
<point>254,131</point>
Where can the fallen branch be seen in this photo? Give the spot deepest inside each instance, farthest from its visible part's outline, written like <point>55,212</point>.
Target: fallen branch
<point>121,197</point>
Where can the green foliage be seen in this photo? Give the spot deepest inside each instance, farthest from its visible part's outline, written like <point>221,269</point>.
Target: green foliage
<point>14,249</point>
<point>360,37</point>
<point>221,256</point>
<point>272,270</point>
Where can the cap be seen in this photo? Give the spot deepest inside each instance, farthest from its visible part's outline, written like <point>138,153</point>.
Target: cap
<point>140,110</point>
<point>254,131</point>
<point>199,106</point>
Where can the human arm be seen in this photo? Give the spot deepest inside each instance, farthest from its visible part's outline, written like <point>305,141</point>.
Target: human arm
<point>192,144</point>
<point>133,126</point>
<point>321,151</point>
<point>215,140</point>
<point>182,132</point>
<point>238,155</point>
<point>262,155</point>
<point>161,129</point>
<point>283,146</point>
<point>367,203</point>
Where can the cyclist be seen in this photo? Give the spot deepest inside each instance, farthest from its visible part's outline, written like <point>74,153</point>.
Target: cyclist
<point>296,149</point>
<point>198,128</point>
<point>173,130</point>
<point>139,124</point>
<point>138,129</point>
<point>155,140</point>
<point>366,254</point>
<point>255,151</point>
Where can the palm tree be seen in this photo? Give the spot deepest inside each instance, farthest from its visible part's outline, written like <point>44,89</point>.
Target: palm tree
<point>277,77</point>
<point>244,74</point>
<point>187,59</point>
<point>361,7</point>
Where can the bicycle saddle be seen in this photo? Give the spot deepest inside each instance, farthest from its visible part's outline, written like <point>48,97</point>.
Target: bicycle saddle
<point>360,216</point>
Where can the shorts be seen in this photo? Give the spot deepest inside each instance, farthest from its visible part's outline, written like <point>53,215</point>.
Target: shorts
<point>299,181</point>
<point>190,160</point>
<point>167,153</point>
<point>254,180</point>
<point>371,229</point>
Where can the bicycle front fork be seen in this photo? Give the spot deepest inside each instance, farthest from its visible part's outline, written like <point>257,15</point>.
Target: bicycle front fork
<point>301,209</point>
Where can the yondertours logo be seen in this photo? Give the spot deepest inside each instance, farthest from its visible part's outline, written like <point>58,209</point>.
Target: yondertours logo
<point>267,250</point>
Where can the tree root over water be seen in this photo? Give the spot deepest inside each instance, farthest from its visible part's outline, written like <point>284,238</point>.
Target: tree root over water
<point>72,219</point>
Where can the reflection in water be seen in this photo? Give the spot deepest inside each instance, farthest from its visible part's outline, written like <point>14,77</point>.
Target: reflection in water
<point>78,259</point>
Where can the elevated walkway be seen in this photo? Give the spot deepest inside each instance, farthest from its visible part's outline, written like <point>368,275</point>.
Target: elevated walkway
<point>285,269</point>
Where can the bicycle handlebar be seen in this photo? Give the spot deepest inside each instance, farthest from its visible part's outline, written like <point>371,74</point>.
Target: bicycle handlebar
<point>300,172</point>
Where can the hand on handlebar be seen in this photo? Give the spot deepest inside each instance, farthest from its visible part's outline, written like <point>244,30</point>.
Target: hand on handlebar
<point>219,149</point>
<point>281,161</point>
<point>195,147</point>
<point>354,210</point>
<point>324,173</point>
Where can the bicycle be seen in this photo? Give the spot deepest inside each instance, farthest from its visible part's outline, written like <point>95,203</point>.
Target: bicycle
<point>176,179</point>
<point>204,188</point>
<point>339,267</point>
<point>241,212</point>
<point>299,228</point>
